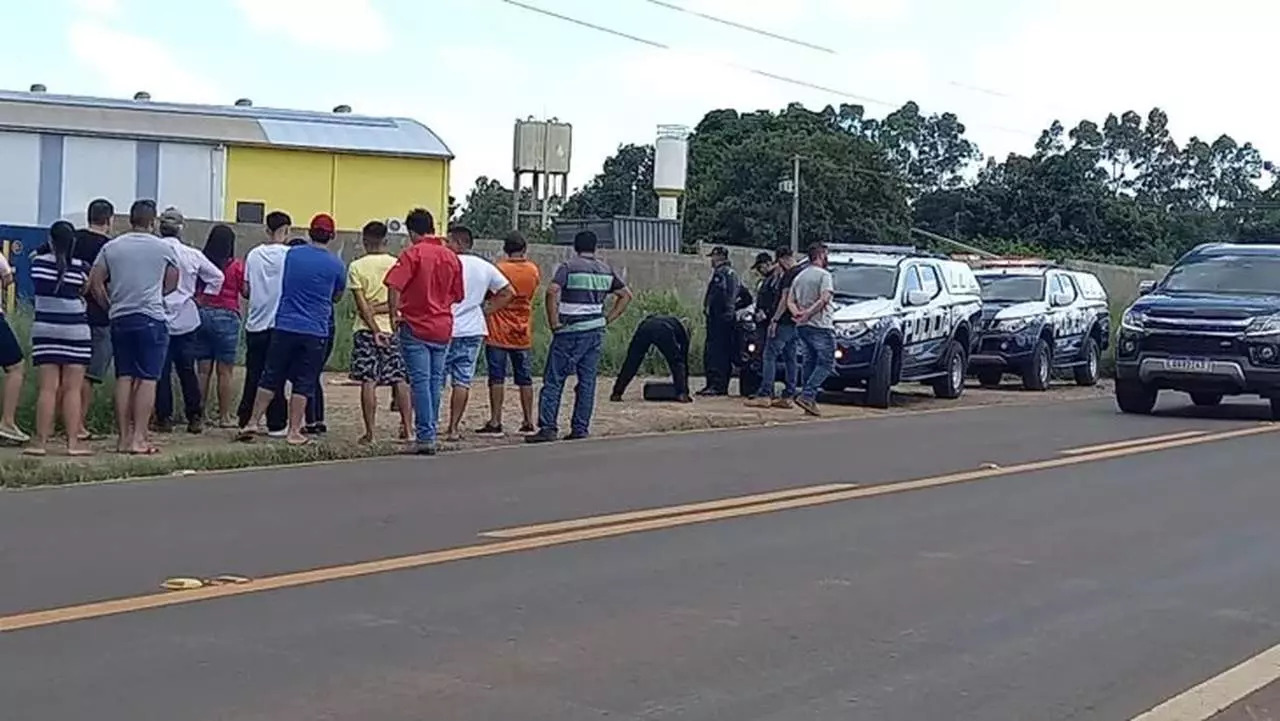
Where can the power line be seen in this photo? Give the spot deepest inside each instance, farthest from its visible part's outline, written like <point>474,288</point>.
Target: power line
<point>736,66</point>
<point>742,26</point>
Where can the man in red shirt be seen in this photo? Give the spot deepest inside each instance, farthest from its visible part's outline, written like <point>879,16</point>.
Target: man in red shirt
<point>422,287</point>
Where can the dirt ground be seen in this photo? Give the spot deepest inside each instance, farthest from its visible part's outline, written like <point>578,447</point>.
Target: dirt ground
<point>632,415</point>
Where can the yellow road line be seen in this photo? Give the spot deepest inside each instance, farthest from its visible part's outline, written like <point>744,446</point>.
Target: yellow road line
<point>98,609</point>
<point>1206,700</point>
<point>664,511</point>
<point>1130,442</point>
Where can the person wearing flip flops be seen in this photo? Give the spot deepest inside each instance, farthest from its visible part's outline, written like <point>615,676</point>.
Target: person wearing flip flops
<point>61,344</point>
<point>11,359</point>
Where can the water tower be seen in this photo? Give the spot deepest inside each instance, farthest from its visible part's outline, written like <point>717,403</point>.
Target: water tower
<point>670,166</point>
<point>543,150</point>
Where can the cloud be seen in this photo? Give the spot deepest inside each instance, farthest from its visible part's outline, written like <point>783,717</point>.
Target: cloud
<point>136,63</point>
<point>364,29</point>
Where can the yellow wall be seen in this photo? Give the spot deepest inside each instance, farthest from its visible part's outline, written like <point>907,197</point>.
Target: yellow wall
<point>353,189</point>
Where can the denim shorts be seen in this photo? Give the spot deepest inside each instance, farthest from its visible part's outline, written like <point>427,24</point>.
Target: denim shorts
<point>219,336</point>
<point>294,357</point>
<point>139,344</point>
<point>460,362</point>
<point>521,365</point>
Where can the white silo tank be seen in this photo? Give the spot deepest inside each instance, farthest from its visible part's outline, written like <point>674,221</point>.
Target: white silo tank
<point>670,167</point>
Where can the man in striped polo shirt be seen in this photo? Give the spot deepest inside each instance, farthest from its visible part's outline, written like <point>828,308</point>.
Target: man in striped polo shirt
<point>575,311</point>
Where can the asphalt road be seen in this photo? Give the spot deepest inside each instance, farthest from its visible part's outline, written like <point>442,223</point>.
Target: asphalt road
<point>1089,590</point>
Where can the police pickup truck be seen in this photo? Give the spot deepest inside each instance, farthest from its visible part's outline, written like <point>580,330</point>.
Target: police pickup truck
<point>1038,317</point>
<point>1210,328</point>
<point>901,316</point>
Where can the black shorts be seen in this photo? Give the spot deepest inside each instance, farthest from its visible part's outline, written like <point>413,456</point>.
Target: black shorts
<point>10,350</point>
<point>294,357</point>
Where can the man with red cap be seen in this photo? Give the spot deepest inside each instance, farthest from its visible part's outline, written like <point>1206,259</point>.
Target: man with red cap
<point>312,281</point>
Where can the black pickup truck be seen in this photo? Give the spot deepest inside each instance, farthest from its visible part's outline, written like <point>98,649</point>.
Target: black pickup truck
<point>1210,328</point>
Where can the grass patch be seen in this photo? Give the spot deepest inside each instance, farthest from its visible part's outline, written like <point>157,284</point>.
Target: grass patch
<point>30,472</point>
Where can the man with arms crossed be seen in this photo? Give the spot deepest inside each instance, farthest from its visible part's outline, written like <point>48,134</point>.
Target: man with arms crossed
<point>130,278</point>
<point>575,312</point>
<point>511,336</point>
<point>810,304</point>
<point>375,352</point>
<point>313,280</point>
<point>263,269</point>
<point>422,287</point>
<point>479,280</point>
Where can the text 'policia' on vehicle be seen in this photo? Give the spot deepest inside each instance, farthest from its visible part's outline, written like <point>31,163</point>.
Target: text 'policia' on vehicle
<point>901,316</point>
<point>1038,318</point>
<point>1210,328</point>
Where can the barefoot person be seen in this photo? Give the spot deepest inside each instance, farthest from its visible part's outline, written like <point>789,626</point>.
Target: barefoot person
<point>132,275</point>
<point>11,358</point>
<point>375,352</point>
<point>313,280</point>
<point>61,343</point>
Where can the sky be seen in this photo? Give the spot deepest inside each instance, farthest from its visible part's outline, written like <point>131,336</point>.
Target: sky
<point>469,68</point>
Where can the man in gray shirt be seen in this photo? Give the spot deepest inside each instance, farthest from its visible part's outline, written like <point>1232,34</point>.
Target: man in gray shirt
<point>810,304</point>
<point>130,279</point>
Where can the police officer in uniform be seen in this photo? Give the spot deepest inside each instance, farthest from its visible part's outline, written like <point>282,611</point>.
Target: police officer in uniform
<point>671,337</point>
<point>718,305</point>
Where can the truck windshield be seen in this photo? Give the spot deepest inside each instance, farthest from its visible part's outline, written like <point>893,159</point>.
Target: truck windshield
<point>1249,274</point>
<point>1011,288</point>
<point>864,281</point>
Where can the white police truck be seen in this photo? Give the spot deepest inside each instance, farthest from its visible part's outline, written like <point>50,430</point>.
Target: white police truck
<point>1038,317</point>
<point>901,316</point>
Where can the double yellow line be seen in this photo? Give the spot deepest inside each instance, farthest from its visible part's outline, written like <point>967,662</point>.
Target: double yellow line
<point>547,535</point>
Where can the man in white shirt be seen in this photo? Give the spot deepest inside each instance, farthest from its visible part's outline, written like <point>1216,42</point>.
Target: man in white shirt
<point>182,315</point>
<point>263,273</point>
<point>480,278</point>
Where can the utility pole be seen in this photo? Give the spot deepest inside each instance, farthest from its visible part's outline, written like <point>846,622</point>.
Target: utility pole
<point>795,203</point>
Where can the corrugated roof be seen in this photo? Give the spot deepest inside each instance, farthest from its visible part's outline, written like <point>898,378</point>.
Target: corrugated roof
<point>234,125</point>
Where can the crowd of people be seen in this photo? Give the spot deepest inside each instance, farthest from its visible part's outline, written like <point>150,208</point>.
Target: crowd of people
<point>151,305</point>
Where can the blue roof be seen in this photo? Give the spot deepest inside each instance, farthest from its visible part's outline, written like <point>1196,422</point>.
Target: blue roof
<point>235,125</point>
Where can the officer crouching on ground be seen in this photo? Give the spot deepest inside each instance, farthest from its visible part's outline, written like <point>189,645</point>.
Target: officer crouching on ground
<point>669,334</point>
<point>718,305</point>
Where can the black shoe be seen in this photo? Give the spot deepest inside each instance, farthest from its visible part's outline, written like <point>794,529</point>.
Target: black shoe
<point>577,436</point>
<point>315,429</point>
<point>162,427</point>
<point>490,429</point>
<point>527,428</point>
<point>195,427</point>
<point>546,435</point>
<point>615,398</point>
<point>425,449</point>
<point>712,392</point>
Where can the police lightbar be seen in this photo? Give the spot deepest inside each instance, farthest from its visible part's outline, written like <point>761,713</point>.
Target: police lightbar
<point>870,248</point>
<point>1013,263</point>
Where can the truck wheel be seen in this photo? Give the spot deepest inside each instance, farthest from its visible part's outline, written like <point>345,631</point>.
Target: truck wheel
<point>880,384</point>
<point>1205,399</point>
<point>990,377</point>
<point>1035,376</point>
<point>1136,397</point>
<point>951,385</point>
<point>1087,374</point>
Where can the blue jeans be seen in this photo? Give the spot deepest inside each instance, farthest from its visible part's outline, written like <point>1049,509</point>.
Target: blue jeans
<point>424,362</point>
<point>819,355</point>
<point>575,353</point>
<point>782,343</point>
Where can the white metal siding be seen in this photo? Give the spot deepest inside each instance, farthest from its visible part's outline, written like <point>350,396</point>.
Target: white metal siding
<point>20,180</point>
<point>189,179</point>
<point>98,168</point>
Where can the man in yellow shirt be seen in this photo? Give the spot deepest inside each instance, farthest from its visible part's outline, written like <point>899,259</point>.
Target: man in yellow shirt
<point>375,354</point>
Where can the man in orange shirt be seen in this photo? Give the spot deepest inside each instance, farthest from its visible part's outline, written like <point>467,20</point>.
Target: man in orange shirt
<point>511,336</point>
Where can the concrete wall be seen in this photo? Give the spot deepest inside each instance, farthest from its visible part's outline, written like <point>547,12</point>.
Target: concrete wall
<point>686,275</point>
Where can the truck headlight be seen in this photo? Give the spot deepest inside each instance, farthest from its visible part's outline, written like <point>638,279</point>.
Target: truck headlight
<point>1013,325</point>
<point>1263,326</point>
<point>851,329</point>
<point>1134,320</point>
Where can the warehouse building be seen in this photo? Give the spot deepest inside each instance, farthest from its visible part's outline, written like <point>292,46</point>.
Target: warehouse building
<point>232,163</point>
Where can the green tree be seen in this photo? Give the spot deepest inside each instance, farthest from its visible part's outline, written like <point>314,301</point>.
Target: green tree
<point>487,208</point>
<point>929,152</point>
<point>609,193</point>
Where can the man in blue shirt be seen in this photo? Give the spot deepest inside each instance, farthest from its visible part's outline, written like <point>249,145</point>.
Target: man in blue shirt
<point>312,281</point>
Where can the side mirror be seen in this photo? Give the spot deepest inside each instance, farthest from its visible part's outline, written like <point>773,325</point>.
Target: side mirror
<point>1146,286</point>
<point>918,297</point>
<point>1060,299</point>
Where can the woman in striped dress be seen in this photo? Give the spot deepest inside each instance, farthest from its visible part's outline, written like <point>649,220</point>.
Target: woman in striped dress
<point>60,340</point>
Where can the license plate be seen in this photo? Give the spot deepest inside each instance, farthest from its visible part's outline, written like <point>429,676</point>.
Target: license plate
<point>1189,365</point>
